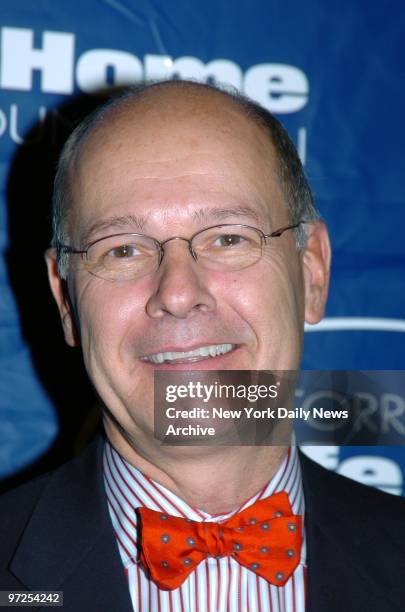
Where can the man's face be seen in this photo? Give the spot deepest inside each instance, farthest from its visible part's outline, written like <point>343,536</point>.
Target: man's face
<point>176,171</point>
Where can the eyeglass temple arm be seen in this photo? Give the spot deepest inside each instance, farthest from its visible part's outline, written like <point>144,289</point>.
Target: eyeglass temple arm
<point>67,249</point>
<point>280,231</point>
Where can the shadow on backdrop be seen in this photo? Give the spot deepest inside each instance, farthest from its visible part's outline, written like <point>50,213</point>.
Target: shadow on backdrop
<point>59,368</point>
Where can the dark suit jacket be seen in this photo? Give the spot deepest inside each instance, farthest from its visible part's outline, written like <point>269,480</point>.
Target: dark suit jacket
<point>55,534</point>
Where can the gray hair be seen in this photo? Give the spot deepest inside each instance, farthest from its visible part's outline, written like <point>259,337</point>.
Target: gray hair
<point>290,172</point>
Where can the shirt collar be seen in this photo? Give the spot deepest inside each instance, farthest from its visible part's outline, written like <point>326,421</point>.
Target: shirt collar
<point>128,488</point>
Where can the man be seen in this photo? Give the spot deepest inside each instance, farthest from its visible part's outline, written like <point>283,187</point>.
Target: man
<point>144,283</point>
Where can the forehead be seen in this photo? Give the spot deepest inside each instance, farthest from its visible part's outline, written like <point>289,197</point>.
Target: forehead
<point>171,154</point>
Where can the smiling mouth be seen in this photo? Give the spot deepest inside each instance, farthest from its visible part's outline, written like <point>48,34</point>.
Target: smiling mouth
<point>198,354</point>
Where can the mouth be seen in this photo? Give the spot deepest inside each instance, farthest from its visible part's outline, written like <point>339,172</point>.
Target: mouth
<point>201,353</point>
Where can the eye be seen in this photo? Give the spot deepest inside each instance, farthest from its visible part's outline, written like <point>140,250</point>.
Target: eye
<point>124,251</point>
<point>229,240</point>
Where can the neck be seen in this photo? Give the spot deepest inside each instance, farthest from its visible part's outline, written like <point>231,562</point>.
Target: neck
<point>214,479</point>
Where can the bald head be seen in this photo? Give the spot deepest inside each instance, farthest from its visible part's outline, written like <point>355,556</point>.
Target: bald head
<point>165,115</point>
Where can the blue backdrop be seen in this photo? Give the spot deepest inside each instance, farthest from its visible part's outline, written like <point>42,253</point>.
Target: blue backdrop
<point>333,72</point>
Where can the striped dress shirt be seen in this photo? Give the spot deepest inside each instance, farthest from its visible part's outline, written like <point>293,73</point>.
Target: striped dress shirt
<point>216,585</point>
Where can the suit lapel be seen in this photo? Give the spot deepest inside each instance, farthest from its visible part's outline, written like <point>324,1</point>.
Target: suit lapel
<point>354,563</point>
<point>69,544</point>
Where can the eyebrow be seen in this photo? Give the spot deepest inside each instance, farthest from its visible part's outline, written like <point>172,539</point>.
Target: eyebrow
<point>138,222</point>
<point>221,214</point>
<point>122,222</point>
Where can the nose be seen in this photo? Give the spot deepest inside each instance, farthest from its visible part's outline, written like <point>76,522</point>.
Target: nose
<point>181,286</point>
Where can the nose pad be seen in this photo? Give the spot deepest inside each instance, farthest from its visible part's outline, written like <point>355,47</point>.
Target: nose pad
<point>192,252</point>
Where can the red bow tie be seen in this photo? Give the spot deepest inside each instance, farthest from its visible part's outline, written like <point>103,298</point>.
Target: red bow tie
<point>266,538</point>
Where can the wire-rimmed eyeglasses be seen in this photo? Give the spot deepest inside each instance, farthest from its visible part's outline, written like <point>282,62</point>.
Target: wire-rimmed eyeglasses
<point>126,256</point>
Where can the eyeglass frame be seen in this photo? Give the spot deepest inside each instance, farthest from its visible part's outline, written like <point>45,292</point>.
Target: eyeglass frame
<point>60,247</point>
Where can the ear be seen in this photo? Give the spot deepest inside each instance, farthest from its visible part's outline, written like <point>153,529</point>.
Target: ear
<point>316,267</point>
<point>59,290</point>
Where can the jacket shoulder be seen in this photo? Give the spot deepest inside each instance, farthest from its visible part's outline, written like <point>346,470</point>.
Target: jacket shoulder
<point>16,508</point>
<point>355,538</point>
<point>345,493</point>
<point>18,505</point>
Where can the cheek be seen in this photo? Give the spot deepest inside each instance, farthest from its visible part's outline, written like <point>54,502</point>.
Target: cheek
<point>272,301</point>
<point>108,315</point>
<point>274,288</point>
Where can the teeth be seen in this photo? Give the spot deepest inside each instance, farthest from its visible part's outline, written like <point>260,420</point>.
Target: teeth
<point>204,351</point>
